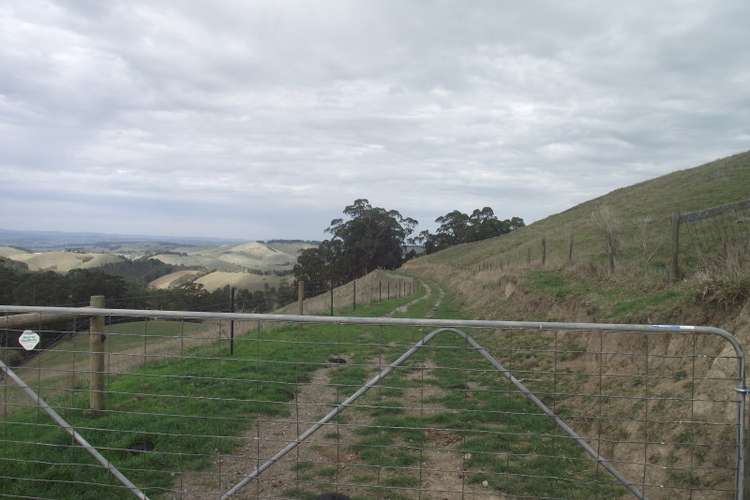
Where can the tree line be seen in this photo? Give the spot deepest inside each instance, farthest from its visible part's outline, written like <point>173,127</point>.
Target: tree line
<point>74,289</point>
<point>370,238</point>
<point>457,227</point>
<point>367,238</point>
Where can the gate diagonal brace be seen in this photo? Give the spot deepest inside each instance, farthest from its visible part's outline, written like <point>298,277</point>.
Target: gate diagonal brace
<point>405,356</point>
<point>444,325</point>
<point>73,433</point>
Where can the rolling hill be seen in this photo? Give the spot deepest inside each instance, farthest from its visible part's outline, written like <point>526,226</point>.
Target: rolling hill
<point>507,278</point>
<point>504,277</point>
<point>64,262</point>
<point>248,281</point>
<point>255,256</point>
<point>8,251</point>
<point>251,265</point>
<point>639,212</point>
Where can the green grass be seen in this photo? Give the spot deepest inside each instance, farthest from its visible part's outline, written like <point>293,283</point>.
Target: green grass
<point>155,406</point>
<point>498,429</point>
<point>553,283</point>
<point>495,281</point>
<point>716,183</point>
<point>121,336</point>
<point>641,306</point>
<point>641,215</point>
<point>185,422</point>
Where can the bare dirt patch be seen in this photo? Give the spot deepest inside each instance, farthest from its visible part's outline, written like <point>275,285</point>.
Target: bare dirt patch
<point>327,456</point>
<point>262,441</point>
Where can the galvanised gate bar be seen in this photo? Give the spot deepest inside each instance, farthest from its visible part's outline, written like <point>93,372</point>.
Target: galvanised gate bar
<point>168,404</point>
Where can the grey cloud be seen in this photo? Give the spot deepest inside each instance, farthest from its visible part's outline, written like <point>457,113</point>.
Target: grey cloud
<point>270,117</point>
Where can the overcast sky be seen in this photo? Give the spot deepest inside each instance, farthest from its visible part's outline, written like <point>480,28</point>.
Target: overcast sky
<point>255,119</point>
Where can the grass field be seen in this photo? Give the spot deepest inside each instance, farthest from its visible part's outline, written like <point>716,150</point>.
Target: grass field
<point>179,415</point>
<point>504,278</point>
<point>120,336</point>
<point>443,412</point>
<point>640,215</point>
<point>63,262</point>
<point>447,410</point>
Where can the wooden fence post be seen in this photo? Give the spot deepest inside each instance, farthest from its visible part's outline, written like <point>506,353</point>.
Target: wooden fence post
<point>331,297</point>
<point>300,297</point>
<point>570,249</point>
<point>610,252</point>
<point>96,353</point>
<point>231,322</point>
<point>354,295</point>
<point>544,251</point>
<point>380,291</point>
<point>675,270</point>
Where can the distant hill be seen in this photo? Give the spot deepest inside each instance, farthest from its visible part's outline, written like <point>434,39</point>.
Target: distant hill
<point>246,281</point>
<point>220,262</point>
<point>59,240</point>
<point>246,257</point>
<point>252,266</point>
<point>8,250</point>
<point>249,265</point>
<point>175,279</point>
<point>306,242</point>
<point>63,262</point>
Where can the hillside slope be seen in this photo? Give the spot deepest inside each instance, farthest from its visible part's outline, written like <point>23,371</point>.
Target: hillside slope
<point>64,262</point>
<point>640,212</point>
<point>713,252</point>
<point>253,256</point>
<point>504,278</point>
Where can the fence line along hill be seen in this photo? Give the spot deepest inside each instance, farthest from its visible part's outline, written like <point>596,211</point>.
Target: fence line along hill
<point>611,260</point>
<point>203,405</point>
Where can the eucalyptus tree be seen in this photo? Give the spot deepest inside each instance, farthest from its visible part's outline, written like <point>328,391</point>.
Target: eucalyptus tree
<point>367,238</point>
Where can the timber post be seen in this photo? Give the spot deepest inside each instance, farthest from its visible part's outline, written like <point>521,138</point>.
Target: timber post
<point>96,353</point>
<point>300,297</point>
<point>675,268</point>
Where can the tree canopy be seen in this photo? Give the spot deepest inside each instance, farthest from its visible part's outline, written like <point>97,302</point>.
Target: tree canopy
<point>457,227</point>
<point>367,238</point>
<point>76,287</point>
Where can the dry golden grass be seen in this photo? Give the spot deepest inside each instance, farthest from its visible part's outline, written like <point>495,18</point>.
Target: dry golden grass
<point>174,279</point>
<point>247,281</point>
<point>63,262</point>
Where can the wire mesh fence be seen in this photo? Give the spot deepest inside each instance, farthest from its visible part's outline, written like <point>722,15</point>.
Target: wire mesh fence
<point>443,409</point>
<point>712,244</point>
<point>332,297</point>
<point>721,244</point>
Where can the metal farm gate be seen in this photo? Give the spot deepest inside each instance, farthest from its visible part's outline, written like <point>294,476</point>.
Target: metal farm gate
<point>177,404</point>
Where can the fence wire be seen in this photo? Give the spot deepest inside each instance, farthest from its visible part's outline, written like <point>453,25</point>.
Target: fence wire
<point>713,246</point>
<point>184,418</point>
<point>720,244</point>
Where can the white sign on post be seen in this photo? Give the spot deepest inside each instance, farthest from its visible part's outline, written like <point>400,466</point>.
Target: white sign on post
<point>28,339</point>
